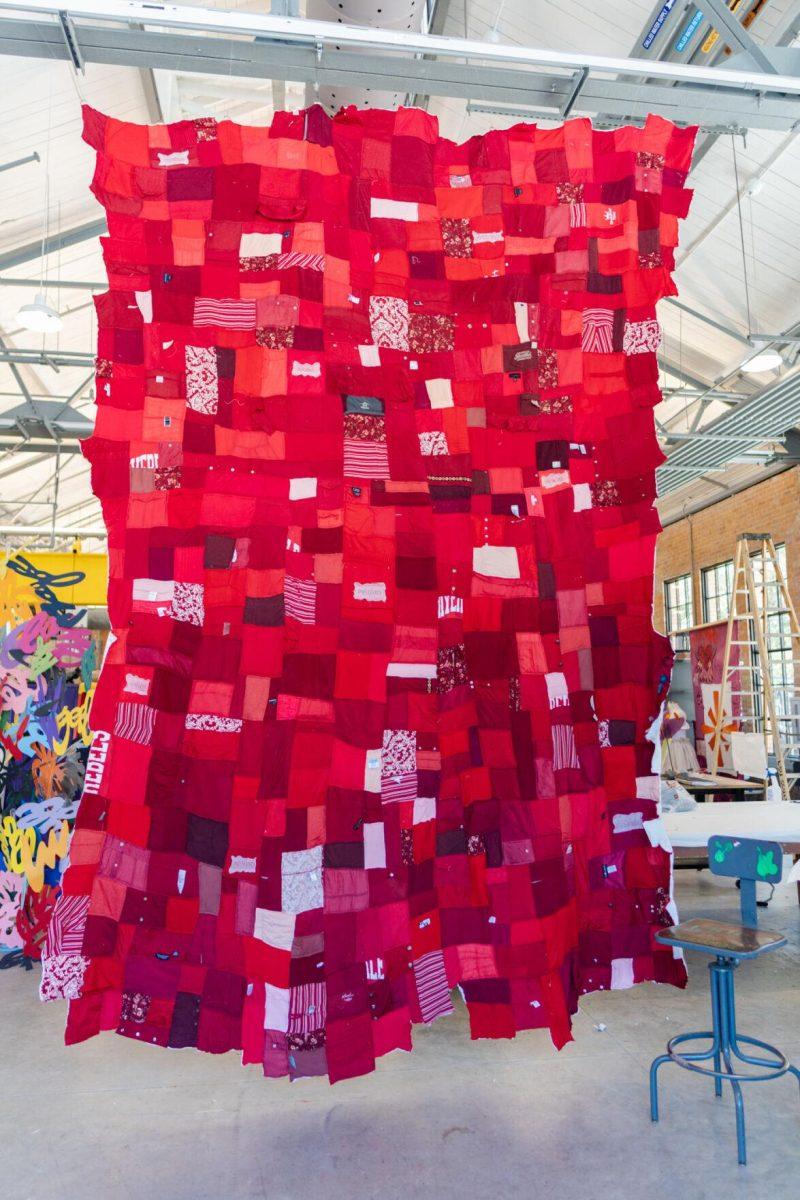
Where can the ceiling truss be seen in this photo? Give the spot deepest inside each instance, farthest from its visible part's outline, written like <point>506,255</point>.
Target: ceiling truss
<point>196,40</point>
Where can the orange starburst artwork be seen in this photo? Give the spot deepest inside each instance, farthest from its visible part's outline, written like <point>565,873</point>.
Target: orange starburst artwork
<point>709,727</point>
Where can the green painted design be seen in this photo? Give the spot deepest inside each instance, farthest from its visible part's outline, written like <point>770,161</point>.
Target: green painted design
<point>722,851</point>
<point>766,865</point>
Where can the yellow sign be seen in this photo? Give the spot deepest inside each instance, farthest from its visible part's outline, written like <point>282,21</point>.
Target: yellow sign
<point>69,577</point>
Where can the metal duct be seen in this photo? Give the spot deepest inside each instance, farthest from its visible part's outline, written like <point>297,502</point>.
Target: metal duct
<point>769,414</point>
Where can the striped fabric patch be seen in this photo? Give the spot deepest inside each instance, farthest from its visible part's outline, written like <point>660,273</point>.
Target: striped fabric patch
<point>396,788</point>
<point>65,931</point>
<point>307,262</point>
<point>300,599</point>
<point>135,722</point>
<point>597,334</point>
<point>367,460</point>
<point>565,756</point>
<point>433,991</point>
<point>307,1008</point>
<point>228,314</point>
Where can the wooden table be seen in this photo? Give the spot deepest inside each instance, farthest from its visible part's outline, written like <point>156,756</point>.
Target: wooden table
<point>704,783</point>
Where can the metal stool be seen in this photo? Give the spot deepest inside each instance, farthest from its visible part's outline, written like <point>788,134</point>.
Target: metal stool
<point>749,861</point>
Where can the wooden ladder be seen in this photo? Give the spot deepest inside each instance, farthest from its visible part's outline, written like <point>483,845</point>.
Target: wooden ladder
<point>759,596</point>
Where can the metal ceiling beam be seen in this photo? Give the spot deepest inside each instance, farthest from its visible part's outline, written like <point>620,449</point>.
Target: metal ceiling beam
<point>46,531</point>
<point>333,54</point>
<point>678,373</point>
<point>314,33</point>
<point>55,284</point>
<point>737,108</point>
<point>20,162</point>
<point>46,358</point>
<point>700,316</point>
<point>734,33</point>
<point>50,419</point>
<point>57,241</point>
<point>44,450</point>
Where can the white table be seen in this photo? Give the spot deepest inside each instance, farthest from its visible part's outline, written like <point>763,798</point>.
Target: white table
<point>774,821</point>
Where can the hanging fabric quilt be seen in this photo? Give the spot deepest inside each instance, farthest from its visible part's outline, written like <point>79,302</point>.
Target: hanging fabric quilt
<point>376,455</point>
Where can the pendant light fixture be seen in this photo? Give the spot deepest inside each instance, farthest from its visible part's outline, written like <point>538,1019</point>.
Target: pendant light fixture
<point>39,316</point>
<point>765,360</point>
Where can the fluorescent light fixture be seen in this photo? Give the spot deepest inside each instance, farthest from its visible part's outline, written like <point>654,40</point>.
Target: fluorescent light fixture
<point>39,316</point>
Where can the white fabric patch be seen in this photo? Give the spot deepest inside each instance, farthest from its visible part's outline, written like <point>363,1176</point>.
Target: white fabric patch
<point>240,863</point>
<point>490,235</point>
<point>554,479</point>
<point>582,497</point>
<point>393,210</point>
<point>372,771</point>
<point>656,834</point>
<point>648,786</point>
<point>275,928</point>
<point>276,1008</point>
<point>303,488</point>
<point>402,670</point>
<point>144,301</point>
<point>440,393</point>
<point>158,591</point>
<point>137,685</point>
<point>176,158</point>
<point>500,561</point>
<point>627,822</point>
<point>370,356</point>
<point>521,320</point>
<point>375,592</point>
<point>621,973</point>
<point>311,370</point>
<point>301,880</point>
<point>374,845</point>
<point>557,690</point>
<point>424,809</point>
<point>259,245</point>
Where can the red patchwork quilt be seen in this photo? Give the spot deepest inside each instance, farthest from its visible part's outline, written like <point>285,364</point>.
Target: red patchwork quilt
<point>375,450</point>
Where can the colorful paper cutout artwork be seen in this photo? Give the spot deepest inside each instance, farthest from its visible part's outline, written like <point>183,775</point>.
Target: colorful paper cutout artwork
<point>47,669</point>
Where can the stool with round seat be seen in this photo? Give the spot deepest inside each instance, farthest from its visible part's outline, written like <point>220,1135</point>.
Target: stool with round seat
<point>749,861</point>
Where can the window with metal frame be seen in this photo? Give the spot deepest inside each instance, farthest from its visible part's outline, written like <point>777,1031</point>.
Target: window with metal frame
<point>678,609</point>
<point>778,633</point>
<point>715,584</point>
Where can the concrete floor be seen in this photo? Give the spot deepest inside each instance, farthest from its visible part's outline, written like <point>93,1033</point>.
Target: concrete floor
<point>455,1119</point>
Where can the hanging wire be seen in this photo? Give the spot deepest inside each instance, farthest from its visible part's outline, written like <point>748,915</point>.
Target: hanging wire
<point>741,235</point>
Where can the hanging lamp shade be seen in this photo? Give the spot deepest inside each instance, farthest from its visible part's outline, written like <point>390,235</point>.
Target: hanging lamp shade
<point>39,316</point>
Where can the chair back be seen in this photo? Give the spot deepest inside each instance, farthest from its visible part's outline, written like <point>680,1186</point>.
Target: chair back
<point>750,860</point>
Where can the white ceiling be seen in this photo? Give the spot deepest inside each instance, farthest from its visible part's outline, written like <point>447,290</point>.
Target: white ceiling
<point>41,112</point>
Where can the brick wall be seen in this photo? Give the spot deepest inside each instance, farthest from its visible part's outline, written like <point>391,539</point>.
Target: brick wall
<point>709,536</point>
